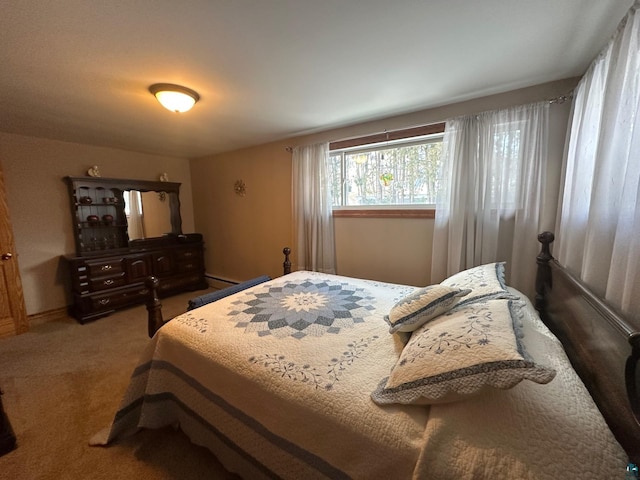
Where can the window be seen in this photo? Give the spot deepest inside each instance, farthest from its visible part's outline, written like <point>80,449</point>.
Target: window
<point>505,167</point>
<point>397,173</point>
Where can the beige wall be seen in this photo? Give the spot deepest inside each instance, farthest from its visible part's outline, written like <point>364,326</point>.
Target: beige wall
<point>395,250</point>
<point>245,235</point>
<point>39,204</point>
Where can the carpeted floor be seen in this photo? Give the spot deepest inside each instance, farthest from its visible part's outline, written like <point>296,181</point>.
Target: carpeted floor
<point>63,382</point>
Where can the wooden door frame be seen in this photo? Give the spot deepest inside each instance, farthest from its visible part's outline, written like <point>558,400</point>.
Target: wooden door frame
<point>15,293</point>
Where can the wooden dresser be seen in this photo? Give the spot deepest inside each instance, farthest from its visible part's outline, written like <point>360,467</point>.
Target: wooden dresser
<point>112,260</point>
<point>102,284</point>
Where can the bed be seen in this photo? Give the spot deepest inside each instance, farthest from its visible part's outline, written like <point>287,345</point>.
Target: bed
<point>322,376</point>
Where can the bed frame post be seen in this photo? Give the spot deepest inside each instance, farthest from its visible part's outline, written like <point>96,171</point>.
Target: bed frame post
<point>543,275</point>
<point>286,266</point>
<point>154,307</point>
<point>631,375</point>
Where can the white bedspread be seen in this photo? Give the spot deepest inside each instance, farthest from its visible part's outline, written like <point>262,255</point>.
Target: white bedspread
<point>285,393</point>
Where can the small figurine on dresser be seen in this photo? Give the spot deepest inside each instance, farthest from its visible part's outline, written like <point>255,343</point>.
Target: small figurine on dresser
<point>93,171</point>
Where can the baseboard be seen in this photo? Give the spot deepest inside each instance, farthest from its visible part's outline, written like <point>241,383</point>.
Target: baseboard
<point>48,316</point>
<point>219,283</point>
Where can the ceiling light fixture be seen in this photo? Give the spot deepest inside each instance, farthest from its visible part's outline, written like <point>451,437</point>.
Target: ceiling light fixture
<point>174,97</point>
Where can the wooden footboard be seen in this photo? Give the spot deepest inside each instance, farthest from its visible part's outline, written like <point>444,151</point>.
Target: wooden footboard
<point>603,346</point>
<point>286,266</point>
<point>154,307</point>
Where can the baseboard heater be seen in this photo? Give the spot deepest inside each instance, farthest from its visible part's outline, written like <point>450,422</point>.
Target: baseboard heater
<point>223,281</point>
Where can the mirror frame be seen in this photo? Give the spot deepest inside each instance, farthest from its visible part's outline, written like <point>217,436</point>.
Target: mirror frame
<point>172,190</point>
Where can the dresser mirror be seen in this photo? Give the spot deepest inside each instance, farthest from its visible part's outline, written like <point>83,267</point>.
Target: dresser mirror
<point>148,214</point>
<point>112,213</point>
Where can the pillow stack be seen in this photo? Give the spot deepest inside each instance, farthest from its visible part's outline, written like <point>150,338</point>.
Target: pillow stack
<point>464,340</point>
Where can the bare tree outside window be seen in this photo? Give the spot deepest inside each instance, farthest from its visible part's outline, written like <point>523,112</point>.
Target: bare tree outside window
<point>400,174</point>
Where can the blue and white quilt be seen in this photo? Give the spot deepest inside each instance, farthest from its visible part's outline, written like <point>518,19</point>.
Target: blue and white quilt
<point>276,380</point>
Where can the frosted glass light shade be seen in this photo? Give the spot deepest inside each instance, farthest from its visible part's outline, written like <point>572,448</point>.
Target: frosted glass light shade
<point>174,97</point>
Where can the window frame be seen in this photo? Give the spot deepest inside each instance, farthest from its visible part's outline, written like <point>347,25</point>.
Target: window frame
<point>405,137</point>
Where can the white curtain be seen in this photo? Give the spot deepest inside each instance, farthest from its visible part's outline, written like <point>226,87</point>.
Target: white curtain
<point>312,208</point>
<point>492,182</point>
<point>135,225</point>
<point>598,232</point>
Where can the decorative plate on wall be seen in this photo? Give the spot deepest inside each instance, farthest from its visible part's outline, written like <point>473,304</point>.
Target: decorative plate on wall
<point>240,188</point>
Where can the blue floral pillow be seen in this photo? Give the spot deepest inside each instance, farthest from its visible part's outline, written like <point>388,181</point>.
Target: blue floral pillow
<point>485,282</point>
<point>421,306</point>
<point>461,353</point>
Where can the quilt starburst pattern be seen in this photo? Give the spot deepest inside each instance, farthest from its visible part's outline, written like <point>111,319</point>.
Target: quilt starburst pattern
<point>298,309</point>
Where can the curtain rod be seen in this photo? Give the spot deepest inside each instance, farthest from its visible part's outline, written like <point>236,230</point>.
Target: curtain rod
<point>562,98</point>
<point>557,100</point>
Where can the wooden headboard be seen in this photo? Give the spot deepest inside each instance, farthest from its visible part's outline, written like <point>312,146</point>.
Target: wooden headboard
<point>603,346</point>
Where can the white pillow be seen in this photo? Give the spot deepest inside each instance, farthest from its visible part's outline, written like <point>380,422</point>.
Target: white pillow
<point>459,354</point>
<point>421,306</point>
<point>485,282</point>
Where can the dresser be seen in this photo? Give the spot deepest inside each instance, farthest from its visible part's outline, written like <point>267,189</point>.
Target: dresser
<point>113,260</point>
<point>105,283</point>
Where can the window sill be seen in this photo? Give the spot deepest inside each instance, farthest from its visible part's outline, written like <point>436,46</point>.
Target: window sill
<point>385,213</point>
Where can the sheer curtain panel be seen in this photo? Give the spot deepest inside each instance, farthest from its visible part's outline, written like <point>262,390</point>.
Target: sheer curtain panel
<point>598,232</point>
<point>312,208</point>
<point>492,177</point>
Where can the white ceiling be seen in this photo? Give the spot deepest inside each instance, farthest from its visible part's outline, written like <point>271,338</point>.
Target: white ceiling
<point>78,70</point>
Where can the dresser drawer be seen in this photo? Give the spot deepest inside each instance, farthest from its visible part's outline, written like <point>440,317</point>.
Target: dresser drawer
<point>105,267</point>
<point>187,254</point>
<point>119,298</point>
<point>112,281</point>
<point>176,283</point>
<point>189,266</point>
<point>188,260</point>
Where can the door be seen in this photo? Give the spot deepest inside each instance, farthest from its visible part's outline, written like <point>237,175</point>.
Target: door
<point>13,314</point>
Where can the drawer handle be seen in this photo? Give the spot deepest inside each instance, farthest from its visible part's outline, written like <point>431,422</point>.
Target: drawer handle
<point>105,268</point>
<point>188,265</point>
<point>108,282</point>
<point>188,254</point>
<point>104,301</point>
